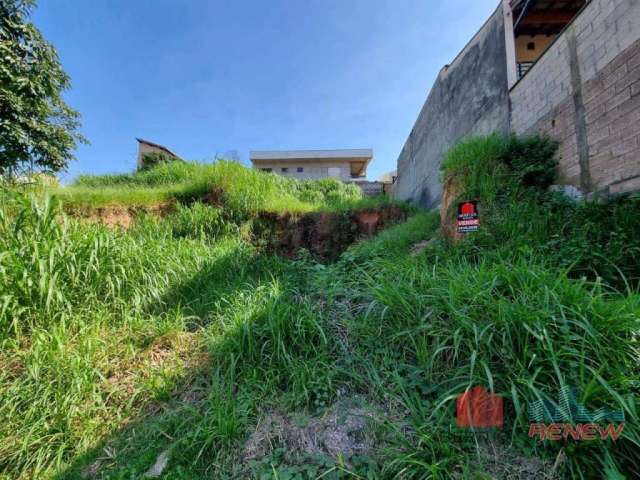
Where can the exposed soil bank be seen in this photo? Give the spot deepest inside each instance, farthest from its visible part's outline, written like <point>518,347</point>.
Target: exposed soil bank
<point>325,234</point>
<point>118,216</point>
<point>448,213</point>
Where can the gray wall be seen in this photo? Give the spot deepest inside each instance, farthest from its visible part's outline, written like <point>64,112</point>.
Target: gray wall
<point>470,97</point>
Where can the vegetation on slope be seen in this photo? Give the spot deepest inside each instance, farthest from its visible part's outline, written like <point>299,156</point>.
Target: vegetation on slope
<point>98,324</point>
<point>522,219</point>
<point>244,191</point>
<point>543,297</point>
<point>123,349</point>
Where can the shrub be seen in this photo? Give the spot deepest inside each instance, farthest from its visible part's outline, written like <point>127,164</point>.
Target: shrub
<point>328,190</point>
<point>531,159</point>
<point>472,154</point>
<point>311,196</point>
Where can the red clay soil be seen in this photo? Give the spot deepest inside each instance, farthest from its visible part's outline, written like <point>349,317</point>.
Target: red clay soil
<point>326,235</point>
<point>116,216</point>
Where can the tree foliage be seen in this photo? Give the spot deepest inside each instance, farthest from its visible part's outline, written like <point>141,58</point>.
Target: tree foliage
<point>38,130</point>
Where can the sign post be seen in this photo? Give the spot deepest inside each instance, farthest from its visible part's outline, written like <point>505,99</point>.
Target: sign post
<point>468,220</point>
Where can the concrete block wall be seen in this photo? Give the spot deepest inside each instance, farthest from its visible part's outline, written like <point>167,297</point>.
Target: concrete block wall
<point>612,104</point>
<point>469,97</point>
<point>584,92</point>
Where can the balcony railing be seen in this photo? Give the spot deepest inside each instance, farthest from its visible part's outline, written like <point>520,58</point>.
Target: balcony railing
<point>523,68</point>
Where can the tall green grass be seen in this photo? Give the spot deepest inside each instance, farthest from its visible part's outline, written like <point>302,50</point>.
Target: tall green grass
<point>544,296</point>
<point>178,336</point>
<point>243,190</point>
<point>516,326</point>
<point>99,326</point>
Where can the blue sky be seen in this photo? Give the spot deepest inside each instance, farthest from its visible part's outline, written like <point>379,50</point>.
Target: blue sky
<point>205,77</point>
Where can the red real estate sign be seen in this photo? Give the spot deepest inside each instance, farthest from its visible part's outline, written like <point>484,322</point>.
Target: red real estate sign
<point>468,220</point>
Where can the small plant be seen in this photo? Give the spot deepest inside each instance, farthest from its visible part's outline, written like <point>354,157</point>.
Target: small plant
<point>279,466</point>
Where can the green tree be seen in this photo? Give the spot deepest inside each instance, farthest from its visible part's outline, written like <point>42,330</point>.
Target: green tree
<point>38,130</point>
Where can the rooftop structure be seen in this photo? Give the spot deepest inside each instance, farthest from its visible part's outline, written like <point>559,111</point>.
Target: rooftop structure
<point>146,147</point>
<point>344,164</point>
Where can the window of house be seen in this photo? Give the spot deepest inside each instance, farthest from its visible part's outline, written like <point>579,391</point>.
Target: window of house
<point>300,170</point>
<point>265,169</point>
<point>284,169</point>
<point>531,46</point>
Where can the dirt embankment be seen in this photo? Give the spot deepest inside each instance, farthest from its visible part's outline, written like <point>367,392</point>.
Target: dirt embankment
<point>325,234</point>
<point>450,193</point>
<point>118,216</point>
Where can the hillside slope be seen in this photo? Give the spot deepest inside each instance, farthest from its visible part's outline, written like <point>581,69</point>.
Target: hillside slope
<point>178,348</point>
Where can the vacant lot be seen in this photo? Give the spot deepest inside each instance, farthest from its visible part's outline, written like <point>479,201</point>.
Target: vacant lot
<point>186,346</point>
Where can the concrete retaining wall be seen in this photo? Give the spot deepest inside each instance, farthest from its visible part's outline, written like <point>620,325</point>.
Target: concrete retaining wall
<point>584,92</point>
<point>470,97</point>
